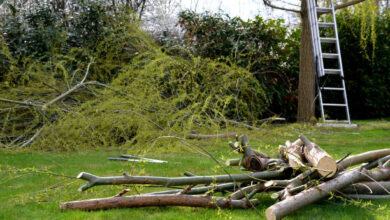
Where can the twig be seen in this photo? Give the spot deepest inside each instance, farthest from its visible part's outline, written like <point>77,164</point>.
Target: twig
<point>28,103</point>
<point>33,137</point>
<point>63,95</point>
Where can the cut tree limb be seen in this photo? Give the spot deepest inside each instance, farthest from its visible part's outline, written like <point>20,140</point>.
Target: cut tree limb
<point>211,136</point>
<point>319,158</point>
<point>363,157</point>
<point>233,162</point>
<point>293,203</point>
<point>375,188</point>
<point>201,190</point>
<point>369,197</point>
<point>294,153</point>
<point>177,181</point>
<point>157,200</point>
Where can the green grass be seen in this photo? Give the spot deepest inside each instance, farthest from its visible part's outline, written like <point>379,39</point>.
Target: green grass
<point>26,194</point>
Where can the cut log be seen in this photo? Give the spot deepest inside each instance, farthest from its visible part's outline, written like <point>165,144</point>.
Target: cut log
<point>211,136</point>
<point>157,200</point>
<point>375,188</point>
<point>363,157</point>
<point>293,203</point>
<point>233,162</point>
<point>320,159</point>
<point>253,160</point>
<point>178,181</point>
<point>369,197</point>
<point>293,153</point>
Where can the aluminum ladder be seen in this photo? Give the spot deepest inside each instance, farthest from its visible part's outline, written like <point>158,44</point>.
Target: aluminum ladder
<point>322,72</point>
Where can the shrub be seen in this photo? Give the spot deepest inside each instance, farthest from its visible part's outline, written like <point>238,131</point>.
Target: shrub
<point>265,47</point>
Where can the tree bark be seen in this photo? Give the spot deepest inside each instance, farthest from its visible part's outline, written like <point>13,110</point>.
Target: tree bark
<point>306,87</point>
<point>375,188</point>
<point>320,159</point>
<point>200,190</point>
<point>157,200</point>
<point>363,157</point>
<point>307,197</point>
<point>293,153</point>
<point>178,181</point>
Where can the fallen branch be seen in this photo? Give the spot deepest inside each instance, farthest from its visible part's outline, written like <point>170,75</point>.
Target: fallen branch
<point>370,197</point>
<point>201,190</point>
<point>307,197</point>
<point>233,162</point>
<point>177,181</point>
<point>363,157</point>
<point>376,188</point>
<point>65,94</point>
<point>211,136</point>
<point>157,200</point>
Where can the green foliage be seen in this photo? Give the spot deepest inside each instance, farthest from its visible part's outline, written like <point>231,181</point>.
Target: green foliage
<point>366,68</point>
<point>162,95</point>
<point>32,33</point>
<point>88,27</point>
<point>265,47</point>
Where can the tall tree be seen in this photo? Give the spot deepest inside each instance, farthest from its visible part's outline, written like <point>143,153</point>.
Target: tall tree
<point>306,89</point>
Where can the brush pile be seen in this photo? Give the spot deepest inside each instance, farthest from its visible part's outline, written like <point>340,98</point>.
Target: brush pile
<point>302,174</point>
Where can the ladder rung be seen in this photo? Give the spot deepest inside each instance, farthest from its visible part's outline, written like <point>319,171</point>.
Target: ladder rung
<point>328,40</point>
<point>332,88</point>
<point>324,24</point>
<point>337,121</point>
<point>338,125</point>
<point>324,10</point>
<point>332,71</point>
<point>330,55</point>
<point>334,104</point>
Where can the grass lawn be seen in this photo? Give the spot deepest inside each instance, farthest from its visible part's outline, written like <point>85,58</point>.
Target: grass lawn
<point>26,192</point>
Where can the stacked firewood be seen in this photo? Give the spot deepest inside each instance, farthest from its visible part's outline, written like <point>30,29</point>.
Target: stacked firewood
<point>302,174</point>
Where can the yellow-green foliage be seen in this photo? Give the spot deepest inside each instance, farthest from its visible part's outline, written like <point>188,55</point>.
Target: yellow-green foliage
<point>161,96</point>
<point>366,14</point>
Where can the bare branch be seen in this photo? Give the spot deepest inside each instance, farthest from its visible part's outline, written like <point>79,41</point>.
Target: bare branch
<point>346,4</point>
<point>268,3</point>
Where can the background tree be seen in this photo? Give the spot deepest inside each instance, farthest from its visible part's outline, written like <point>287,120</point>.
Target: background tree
<point>306,89</point>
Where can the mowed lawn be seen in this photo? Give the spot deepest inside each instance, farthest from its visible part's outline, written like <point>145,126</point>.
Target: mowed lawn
<point>32,184</point>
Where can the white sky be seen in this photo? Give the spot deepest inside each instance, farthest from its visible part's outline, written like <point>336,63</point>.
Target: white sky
<point>241,8</point>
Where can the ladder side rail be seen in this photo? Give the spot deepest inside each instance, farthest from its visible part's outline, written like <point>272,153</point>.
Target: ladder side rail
<point>340,62</point>
<point>318,38</point>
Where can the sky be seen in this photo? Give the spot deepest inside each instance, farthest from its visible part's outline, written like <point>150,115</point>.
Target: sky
<point>245,9</point>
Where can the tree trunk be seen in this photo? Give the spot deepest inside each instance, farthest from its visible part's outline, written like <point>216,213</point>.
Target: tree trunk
<point>157,200</point>
<point>306,88</point>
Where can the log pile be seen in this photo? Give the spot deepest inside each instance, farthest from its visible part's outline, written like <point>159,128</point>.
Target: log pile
<point>302,174</point>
